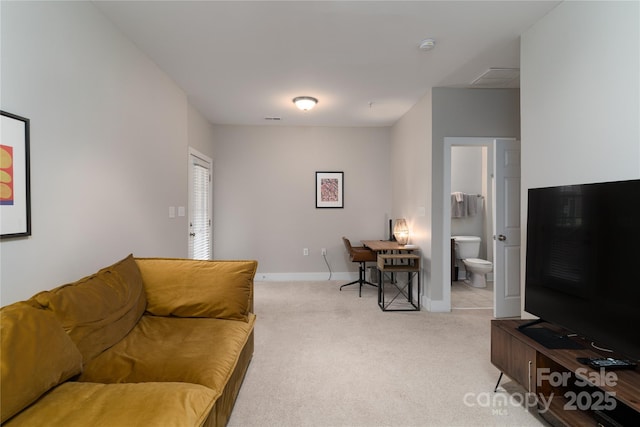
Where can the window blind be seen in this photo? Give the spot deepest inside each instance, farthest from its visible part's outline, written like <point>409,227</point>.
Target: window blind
<point>201,221</point>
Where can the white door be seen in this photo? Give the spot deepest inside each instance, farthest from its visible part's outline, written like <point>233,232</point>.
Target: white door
<point>200,206</point>
<point>506,254</point>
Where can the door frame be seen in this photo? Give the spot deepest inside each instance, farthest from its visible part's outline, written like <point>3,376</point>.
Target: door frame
<point>445,244</point>
<point>195,153</point>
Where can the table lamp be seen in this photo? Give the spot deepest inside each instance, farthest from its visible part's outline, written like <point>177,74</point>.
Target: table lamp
<point>401,231</point>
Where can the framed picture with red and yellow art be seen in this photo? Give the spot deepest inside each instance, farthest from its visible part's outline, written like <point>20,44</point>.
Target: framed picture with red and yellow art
<point>15,197</point>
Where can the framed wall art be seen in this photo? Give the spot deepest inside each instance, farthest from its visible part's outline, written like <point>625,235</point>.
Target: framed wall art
<point>15,197</point>
<point>329,189</point>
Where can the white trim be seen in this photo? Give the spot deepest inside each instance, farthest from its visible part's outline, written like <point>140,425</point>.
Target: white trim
<point>445,244</point>
<point>196,153</point>
<point>436,306</point>
<point>446,201</point>
<point>193,153</point>
<point>309,277</point>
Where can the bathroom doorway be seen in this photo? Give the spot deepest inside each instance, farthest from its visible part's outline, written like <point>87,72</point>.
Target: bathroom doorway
<point>471,174</point>
<point>470,168</point>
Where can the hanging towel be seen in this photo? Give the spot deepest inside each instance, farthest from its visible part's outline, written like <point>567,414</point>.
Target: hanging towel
<point>463,205</point>
<point>471,204</point>
<point>458,208</point>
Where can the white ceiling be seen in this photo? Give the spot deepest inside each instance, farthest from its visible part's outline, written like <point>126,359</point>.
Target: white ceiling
<point>242,61</point>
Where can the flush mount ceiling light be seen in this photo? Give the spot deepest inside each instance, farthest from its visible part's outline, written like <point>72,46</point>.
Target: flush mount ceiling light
<point>427,44</point>
<point>305,103</point>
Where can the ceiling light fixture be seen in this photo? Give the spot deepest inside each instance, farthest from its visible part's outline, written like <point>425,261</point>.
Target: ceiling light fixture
<point>427,44</point>
<point>305,103</point>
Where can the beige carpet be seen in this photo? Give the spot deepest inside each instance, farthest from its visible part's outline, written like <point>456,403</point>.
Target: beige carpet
<point>328,358</point>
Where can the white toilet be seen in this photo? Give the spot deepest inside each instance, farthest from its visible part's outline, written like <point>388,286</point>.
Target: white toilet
<point>467,250</point>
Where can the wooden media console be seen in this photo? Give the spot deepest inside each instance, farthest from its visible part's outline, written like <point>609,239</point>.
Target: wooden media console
<point>576,394</point>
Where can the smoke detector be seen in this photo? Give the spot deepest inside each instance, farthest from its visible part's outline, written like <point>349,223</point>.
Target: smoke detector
<point>427,44</point>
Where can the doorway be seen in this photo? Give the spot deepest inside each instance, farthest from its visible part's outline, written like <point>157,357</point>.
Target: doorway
<point>497,199</point>
<point>200,206</point>
<point>471,175</point>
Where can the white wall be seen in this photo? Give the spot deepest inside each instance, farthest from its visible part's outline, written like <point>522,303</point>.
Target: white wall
<point>264,197</point>
<point>580,84</point>
<point>418,172</point>
<point>466,169</point>
<point>581,96</point>
<point>200,133</point>
<point>462,113</point>
<point>109,138</point>
<point>411,177</point>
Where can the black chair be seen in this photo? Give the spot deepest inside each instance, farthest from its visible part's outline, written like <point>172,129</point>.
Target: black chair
<point>361,255</point>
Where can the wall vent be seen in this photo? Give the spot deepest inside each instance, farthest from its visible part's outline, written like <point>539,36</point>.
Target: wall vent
<point>498,78</point>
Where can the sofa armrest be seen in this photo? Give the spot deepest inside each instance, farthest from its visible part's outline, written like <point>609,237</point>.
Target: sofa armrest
<point>193,288</point>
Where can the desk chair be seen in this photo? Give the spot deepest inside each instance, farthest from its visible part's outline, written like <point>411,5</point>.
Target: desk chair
<point>361,255</point>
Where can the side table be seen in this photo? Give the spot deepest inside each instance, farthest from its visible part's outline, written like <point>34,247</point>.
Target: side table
<point>388,266</point>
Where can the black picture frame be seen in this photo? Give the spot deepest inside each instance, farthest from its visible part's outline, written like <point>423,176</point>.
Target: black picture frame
<point>329,190</point>
<point>15,177</point>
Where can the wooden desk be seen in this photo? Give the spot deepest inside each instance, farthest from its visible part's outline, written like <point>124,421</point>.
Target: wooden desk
<point>393,265</point>
<point>387,245</point>
<point>392,259</point>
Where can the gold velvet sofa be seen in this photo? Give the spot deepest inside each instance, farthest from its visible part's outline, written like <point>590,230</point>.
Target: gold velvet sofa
<point>144,342</point>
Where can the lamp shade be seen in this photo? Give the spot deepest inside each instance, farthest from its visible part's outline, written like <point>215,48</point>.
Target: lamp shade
<point>401,231</point>
<point>305,103</point>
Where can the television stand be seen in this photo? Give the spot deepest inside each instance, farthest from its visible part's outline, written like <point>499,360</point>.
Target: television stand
<point>564,391</point>
<point>551,339</point>
<point>531,323</point>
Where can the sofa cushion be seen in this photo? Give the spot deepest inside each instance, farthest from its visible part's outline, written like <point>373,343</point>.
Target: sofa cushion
<point>88,404</point>
<point>99,310</point>
<point>35,355</point>
<point>201,351</point>
<point>190,288</point>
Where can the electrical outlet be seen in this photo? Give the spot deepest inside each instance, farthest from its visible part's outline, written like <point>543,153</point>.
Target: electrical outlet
<point>324,251</point>
<point>305,252</point>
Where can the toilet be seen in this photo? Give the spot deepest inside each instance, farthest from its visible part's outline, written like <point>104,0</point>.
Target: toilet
<point>467,250</point>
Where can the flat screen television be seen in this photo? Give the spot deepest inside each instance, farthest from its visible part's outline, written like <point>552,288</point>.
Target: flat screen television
<point>583,262</point>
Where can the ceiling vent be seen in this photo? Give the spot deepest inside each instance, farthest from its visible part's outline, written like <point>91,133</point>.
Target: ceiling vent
<point>498,78</point>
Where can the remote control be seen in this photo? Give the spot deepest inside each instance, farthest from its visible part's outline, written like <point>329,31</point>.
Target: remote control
<point>607,363</point>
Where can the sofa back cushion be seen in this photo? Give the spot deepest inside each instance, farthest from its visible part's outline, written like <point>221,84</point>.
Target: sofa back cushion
<point>101,309</point>
<point>35,355</point>
<point>191,288</point>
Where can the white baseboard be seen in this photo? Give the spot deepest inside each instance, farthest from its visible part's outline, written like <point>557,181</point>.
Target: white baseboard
<point>294,277</point>
<point>435,306</point>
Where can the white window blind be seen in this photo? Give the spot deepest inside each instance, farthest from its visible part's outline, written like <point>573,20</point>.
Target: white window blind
<point>200,215</point>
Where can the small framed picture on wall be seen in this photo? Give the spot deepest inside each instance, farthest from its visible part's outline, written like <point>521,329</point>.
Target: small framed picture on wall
<point>329,189</point>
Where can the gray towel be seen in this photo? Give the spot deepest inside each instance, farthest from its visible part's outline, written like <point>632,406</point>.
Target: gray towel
<point>458,209</point>
<point>468,206</point>
<point>472,204</point>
